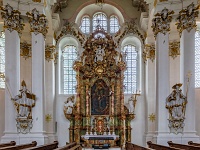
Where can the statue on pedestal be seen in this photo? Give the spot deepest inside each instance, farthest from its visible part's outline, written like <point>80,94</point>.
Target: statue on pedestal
<point>24,102</point>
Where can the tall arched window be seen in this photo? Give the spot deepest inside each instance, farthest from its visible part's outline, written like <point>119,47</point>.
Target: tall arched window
<point>69,75</point>
<point>114,24</point>
<point>99,20</point>
<point>130,75</point>
<point>85,25</point>
<point>197,59</point>
<point>2,59</point>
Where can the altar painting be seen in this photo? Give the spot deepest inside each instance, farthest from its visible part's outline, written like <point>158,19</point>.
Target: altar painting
<point>100,98</point>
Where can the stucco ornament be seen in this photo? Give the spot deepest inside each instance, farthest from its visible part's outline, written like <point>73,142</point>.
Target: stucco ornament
<point>12,19</point>
<point>149,52</point>
<point>38,22</point>
<point>187,18</point>
<point>161,22</point>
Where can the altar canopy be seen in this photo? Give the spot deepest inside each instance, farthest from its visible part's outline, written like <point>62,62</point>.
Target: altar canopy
<point>99,107</point>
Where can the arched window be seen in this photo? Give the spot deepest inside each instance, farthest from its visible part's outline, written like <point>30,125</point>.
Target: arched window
<point>85,25</point>
<point>114,24</point>
<point>69,75</point>
<point>130,75</point>
<point>197,59</point>
<point>99,21</point>
<point>2,59</point>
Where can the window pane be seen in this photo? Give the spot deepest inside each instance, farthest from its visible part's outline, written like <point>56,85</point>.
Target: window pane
<point>130,75</point>
<point>197,59</point>
<point>69,75</point>
<point>99,21</point>
<point>114,24</point>
<point>2,59</point>
<point>85,25</point>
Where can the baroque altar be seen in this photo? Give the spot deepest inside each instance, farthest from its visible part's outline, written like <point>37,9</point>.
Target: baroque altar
<point>99,110</point>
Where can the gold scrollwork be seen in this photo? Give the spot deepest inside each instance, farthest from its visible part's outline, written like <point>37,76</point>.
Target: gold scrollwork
<point>187,18</point>
<point>70,29</point>
<point>130,28</point>
<point>161,22</point>
<point>12,19</point>
<point>25,51</point>
<point>174,49</point>
<point>50,52</point>
<point>38,22</point>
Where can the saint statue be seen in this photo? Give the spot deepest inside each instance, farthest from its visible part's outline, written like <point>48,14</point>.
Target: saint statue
<point>69,104</point>
<point>99,54</point>
<point>24,102</point>
<point>176,103</point>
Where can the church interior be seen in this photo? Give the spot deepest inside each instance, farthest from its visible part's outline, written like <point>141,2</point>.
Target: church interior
<point>93,74</point>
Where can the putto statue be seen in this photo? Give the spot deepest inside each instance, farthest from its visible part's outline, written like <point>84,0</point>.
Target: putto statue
<point>176,105</point>
<point>24,102</point>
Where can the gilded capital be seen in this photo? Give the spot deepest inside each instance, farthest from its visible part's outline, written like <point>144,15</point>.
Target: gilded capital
<point>12,19</point>
<point>187,18</point>
<point>49,52</point>
<point>149,52</point>
<point>25,50</point>
<point>38,22</point>
<point>174,49</point>
<point>161,22</point>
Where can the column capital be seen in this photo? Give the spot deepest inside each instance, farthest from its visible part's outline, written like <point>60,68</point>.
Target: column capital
<point>12,19</point>
<point>38,22</point>
<point>161,22</point>
<point>187,18</point>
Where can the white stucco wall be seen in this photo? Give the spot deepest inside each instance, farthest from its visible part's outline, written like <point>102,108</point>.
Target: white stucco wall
<point>2,111</point>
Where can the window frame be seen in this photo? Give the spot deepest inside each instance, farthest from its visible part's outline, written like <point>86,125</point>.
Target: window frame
<point>136,69</point>
<point>63,70</point>
<point>195,57</point>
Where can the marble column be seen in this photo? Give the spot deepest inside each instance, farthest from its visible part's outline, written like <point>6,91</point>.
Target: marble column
<point>50,92</point>
<point>186,29</point>
<point>13,29</point>
<point>161,27</point>
<point>39,30</point>
<point>150,94</point>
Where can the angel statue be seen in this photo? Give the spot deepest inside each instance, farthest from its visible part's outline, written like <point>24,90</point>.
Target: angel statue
<point>24,102</point>
<point>69,104</point>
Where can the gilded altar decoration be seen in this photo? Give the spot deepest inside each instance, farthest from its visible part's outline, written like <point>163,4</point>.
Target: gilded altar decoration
<point>176,105</point>
<point>25,50</point>
<point>38,1</point>
<point>38,22</point>
<point>152,117</point>
<point>187,18</point>
<point>174,49</point>
<point>161,22</point>
<point>12,19</point>
<point>130,28</point>
<point>99,111</point>
<point>149,52</point>
<point>24,102</point>
<point>49,52</point>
